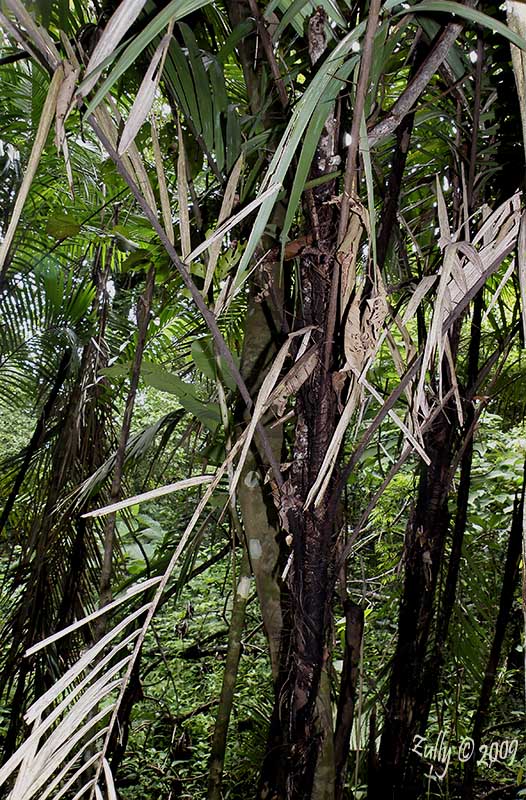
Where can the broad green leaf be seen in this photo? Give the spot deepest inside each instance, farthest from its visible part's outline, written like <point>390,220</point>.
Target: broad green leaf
<point>314,96</point>
<point>207,413</point>
<point>203,356</point>
<point>310,143</point>
<point>139,260</point>
<point>61,226</point>
<point>202,86</point>
<point>205,360</point>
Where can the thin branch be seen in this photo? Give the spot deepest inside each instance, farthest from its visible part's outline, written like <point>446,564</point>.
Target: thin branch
<point>144,306</point>
<point>13,57</point>
<point>266,41</point>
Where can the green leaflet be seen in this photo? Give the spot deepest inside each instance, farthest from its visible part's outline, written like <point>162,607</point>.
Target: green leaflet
<point>208,414</point>
<point>204,358</point>
<point>310,143</point>
<point>314,97</point>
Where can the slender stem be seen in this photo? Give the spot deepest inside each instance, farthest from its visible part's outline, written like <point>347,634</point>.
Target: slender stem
<point>143,317</point>
<point>359,105</point>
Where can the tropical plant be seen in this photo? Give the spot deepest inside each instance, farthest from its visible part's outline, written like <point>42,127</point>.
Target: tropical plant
<point>300,224</point>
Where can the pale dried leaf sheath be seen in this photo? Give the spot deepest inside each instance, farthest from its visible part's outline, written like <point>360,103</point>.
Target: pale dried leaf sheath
<point>76,670</point>
<point>182,191</point>
<point>141,587</point>
<point>163,189</point>
<point>23,777</point>
<point>416,298</point>
<point>143,102</point>
<point>505,278</point>
<point>264,400</point>
<point>321,483</point>
<point>232,222</point>
<point>110,786</point>
<point>226,209</point>
<point>132,157</point>
<point>516,14</point>
<point>89,695</point>
<point>43,773</point>
<point>48,112</point>
<point>434,336</point>
<point>151,495</point>
<point>64,107</point>
<point>294,379</point>
<point>10,28</point>
<point>521,261</point>
<point>166,576</point>
<point>74,778</point>
<point>117,27</point>
<point>443,222</point>
<point>348,252</point>
<point>454,381</point>
<point>64,101</point>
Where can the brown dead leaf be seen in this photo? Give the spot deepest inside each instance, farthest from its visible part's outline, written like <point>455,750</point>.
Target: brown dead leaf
<point>294,380</point>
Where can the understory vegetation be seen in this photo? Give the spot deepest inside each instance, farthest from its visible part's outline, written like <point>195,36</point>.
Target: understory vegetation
<point>262,407</point>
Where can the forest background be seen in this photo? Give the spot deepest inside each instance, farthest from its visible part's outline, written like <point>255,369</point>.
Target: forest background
<point>262,321</point>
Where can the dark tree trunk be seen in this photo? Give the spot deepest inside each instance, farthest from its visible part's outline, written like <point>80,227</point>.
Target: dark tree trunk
<point>423,551</point>
<point>296,734</point>
<point>449,588</point>
<point>354,620</point>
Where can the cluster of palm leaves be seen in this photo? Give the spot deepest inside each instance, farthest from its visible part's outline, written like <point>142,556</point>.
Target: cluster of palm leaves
<point>163,171</point>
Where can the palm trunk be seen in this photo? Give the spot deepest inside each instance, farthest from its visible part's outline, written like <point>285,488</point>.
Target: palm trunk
<point>38,435</point>
<point>423,552</point>
<point>354,621</point>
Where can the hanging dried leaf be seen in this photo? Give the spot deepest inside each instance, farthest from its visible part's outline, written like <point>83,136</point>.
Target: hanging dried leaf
<point>119,24</point>
<point>38,36</point>
<point>418,295</point>
<point>132,159</point>
<point>362,327</point>
<point>294,380</point>
<point>64,106</point>
<point>46,119</point>
<point>182,191</point>
<point>464,267</point>
<point>348,252</point>
<point>145,96</point>
<point>226,209</point>
<point>505,278</point>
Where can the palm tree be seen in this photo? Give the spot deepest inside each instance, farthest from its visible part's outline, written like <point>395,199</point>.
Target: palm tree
<point>340,177</point>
